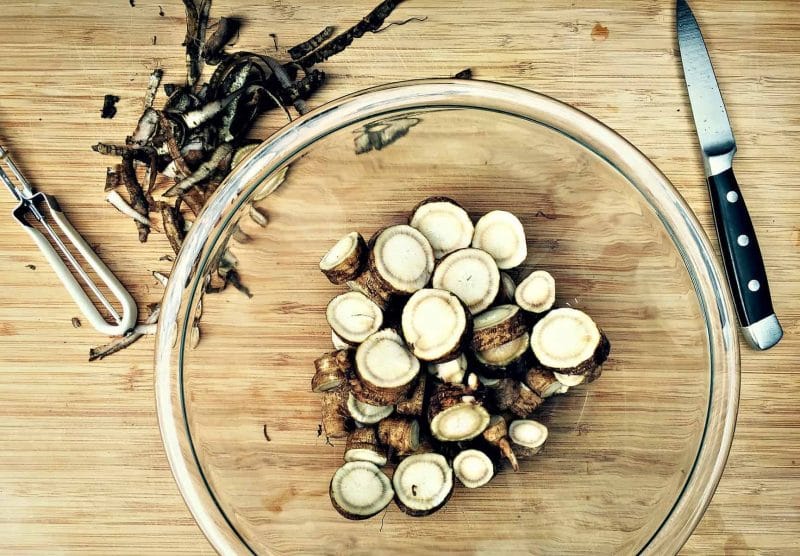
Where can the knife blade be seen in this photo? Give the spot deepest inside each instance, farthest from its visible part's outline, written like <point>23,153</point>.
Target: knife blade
<point>741,254</point>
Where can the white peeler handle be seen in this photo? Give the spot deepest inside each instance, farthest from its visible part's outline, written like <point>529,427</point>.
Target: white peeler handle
<point>129,312</point>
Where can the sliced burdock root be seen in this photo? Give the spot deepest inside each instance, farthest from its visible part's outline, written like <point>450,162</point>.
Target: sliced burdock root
<point>507,289</point>
<point>444,223</point>
<point>501,234</point>
<point>345,260</point>
<point>569,381</point>
<point>422,483</point>
<point>353,317</point>
<point>371,285</point>
<point>335,418</point>
<point>496,434</point>
<point>496,326</point>
<point>473,468</point>
<point>568,341</point>
<point>509,359</point>
<point>414,404</point>
<point>537,292</point>
<point>332,370</point>
<point>544,383</point>
<point>359,489</point>
<point>399,433</point>
<point>526,402</point>
<point>367,413</point>
<point>385,367</point>
<point>337,342</point>
<point>450,371</point>
<point>456,413</point>
<point>527,436</point>
<point>402,258</point>
<point>362,445</point>
<point>435,325</point>
<point>504,393</point>
<point>472,275</point>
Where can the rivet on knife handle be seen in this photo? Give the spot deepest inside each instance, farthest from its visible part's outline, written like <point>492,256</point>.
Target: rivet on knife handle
<point>743,262</point>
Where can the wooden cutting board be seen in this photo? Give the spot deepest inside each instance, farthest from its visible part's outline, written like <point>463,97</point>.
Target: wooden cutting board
<point>81,463</point>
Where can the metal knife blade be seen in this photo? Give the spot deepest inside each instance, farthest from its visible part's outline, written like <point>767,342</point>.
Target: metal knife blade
<point>708,109</point>
<point>744,265</point>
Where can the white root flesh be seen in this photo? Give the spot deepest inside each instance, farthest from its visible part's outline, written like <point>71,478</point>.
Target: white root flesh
<point>472,275</point>
<point>422,483</point>
<point>359,490</point>
<point>497,326</point>
<point>366,413</point>
<point>444,223</point>
<point>362,445</point>
<point>473,468</point>
<point>403,258</point>
<point>384,361</point>
<point>527,436</point>
<point>537,292</point>
<point>116,200</point>
<point>506,359</point>
<point>337,342</point>
<point>345,260</point>
<point>353,317</point>
<point>569,381</point>
<point>450,371</point>
<point>501,234</point>
<point>568,341</point>
<point>434,325</point>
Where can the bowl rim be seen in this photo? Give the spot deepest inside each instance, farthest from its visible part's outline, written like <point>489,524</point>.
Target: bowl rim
<point>712,291</point>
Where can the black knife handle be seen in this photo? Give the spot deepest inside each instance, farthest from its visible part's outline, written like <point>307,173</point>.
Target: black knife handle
<point>737,240</point>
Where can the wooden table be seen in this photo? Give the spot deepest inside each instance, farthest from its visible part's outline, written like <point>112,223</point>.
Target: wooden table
<point>81,463</point>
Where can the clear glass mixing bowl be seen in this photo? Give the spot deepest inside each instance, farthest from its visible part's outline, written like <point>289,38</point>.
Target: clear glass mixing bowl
<point>632,459</point>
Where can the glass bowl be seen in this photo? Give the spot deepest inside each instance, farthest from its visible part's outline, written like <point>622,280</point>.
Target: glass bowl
<point>632,459</point>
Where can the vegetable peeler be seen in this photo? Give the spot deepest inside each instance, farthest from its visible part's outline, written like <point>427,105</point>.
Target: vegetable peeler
<point>62,259</point>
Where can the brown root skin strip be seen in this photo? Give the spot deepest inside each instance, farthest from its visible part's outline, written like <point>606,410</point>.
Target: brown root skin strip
<point>182,169</point>
<point>173,227</point>
<point>196,25</point>
<point>399,433</point>
<point>119,344</point>
<point>205,170</point>
<point>372,22</point>
<point>226,29</point>
<point>136,194</point>
<point>307,46</point>
<point>110,150</point>
<point>152,87</point>
<point>113,178</point>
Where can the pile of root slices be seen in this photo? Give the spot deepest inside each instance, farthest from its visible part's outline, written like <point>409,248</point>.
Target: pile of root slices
<point>441,357</point>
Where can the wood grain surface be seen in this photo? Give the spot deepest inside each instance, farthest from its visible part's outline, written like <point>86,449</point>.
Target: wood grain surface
<point>82,469</point>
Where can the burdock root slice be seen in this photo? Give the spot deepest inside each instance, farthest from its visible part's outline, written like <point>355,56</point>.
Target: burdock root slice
<point>332,370</point>
<point>444,223</point>
<point>385,367</point>
<point>455,413</point>
<point>496,434</point>
<point>527,436</point>
<point>422,483</point>
<point>526,402</point>
<point>569,381</point>
<point>473,468</point>
<point>414,404</point>
<point>567,341</point>
<point>497,326</point>
<point>359,489</point>
<point>366,413</point>
<point>362,445</point>
<point>399,433</point>
<point>353,317</point>
<point>335,418</point>
<point>537,292</point>
<point>450,371</point>
<point>345,260</point>
<point>544,383</point>
<point>501,234</point>
<point>371,285</point>
<point>402,258</point>
<point>509,359</point>
<point>472,275</point>
<point>435,325</point>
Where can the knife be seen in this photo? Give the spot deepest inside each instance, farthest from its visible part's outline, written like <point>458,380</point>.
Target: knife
<point>744,265</point>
